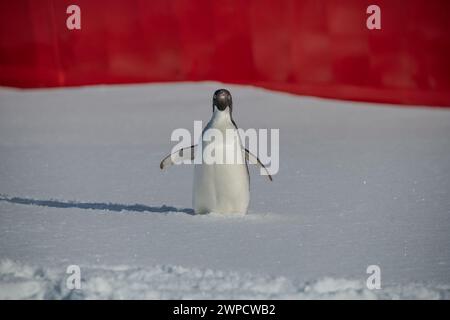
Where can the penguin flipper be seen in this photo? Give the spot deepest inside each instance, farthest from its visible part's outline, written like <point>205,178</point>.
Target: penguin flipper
<point>251,158</point>
<point>178,156</point>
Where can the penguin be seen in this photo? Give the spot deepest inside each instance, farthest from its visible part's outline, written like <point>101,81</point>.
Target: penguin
<point>219,187</point>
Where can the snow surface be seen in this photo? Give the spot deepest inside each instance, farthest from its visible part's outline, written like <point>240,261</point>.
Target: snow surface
<point>359,184</point>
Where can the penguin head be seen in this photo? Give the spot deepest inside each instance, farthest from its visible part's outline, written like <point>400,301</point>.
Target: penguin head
<point>222,99</point>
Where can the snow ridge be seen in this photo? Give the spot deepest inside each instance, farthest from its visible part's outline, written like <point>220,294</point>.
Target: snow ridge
<point>21,281</point>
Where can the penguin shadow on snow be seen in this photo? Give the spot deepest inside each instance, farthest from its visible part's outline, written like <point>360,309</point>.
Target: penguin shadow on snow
<point>95,205</point>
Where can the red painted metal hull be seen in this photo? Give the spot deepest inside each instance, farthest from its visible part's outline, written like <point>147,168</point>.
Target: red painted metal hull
<point>312,47</point>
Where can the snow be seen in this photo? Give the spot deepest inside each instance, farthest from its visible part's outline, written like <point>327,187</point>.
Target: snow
<point>359,184</point>
<point>174,282</point>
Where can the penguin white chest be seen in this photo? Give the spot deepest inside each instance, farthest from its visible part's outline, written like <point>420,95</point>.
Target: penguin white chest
<point>221,186</point>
